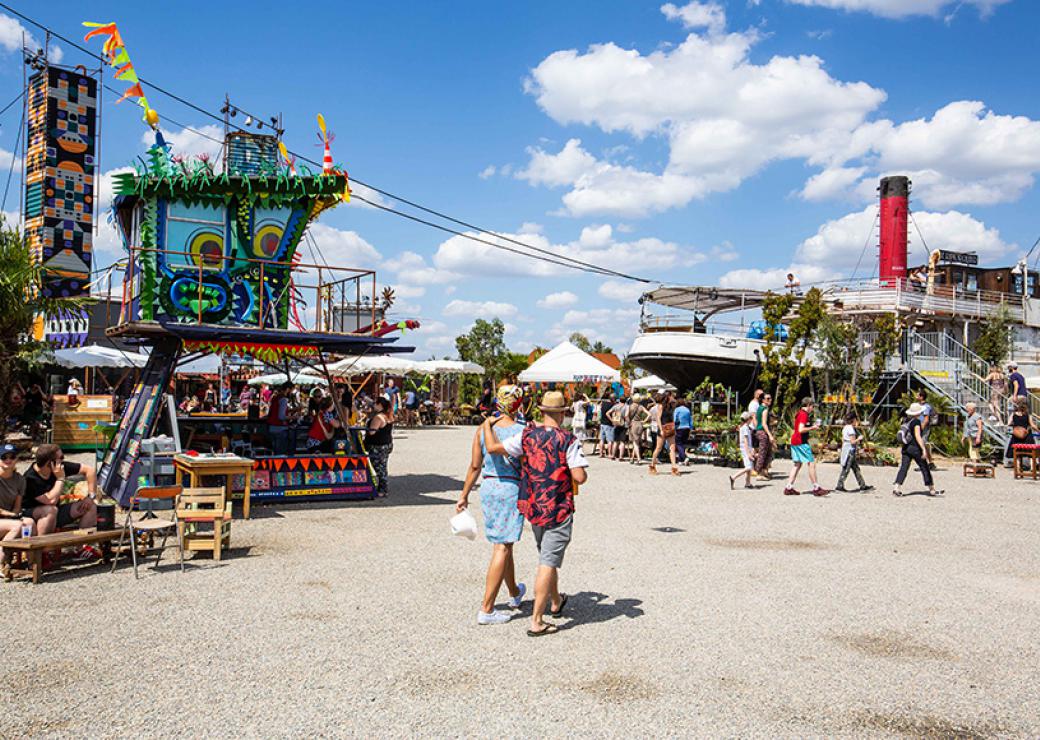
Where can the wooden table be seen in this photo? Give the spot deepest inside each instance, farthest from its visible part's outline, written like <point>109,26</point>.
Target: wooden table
<point>34,547</point>
<point>227,466</point>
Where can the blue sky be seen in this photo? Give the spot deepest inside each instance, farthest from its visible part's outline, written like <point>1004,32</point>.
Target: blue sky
<point>702,143</point>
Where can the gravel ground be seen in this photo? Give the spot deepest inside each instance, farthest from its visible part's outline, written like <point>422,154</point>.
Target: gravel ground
<point>694,610</point>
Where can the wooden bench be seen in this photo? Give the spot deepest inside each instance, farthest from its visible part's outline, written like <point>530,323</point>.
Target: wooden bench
<point>978,470</point>
<point>32,548</point>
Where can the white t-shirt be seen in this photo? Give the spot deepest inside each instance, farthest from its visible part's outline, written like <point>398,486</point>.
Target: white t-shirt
<point>745,439</point>
<point>753,406</point>
<point>848,444</point>
<point>575,456</point>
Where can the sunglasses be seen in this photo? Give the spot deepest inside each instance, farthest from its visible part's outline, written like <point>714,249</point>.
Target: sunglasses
<point>6,458</point>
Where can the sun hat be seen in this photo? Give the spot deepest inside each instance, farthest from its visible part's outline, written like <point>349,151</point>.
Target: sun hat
<point>745,416</point>
<point>553,401</point>
<point>915,409</point>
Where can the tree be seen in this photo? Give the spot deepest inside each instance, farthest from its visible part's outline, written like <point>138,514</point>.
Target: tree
<point>485,345</point>
<point>786,367</point>
<point>598,348</point>
<point>21,304</point>
<point>995,341</point>
<point>512,364</point>
<point>580,341</point>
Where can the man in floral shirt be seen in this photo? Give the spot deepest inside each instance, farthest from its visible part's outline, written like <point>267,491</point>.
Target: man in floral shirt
<point>551,464</point>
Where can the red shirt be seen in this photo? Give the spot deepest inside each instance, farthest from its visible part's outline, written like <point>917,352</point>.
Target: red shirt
<point>802,417</point>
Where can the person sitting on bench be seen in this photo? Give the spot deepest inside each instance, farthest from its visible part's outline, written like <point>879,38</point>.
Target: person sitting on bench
<point>44,484</point>
<point>12,489</point>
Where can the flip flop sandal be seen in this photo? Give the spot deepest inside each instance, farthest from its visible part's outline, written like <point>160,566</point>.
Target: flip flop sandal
<point>563,603</point>
<point>550,629</point>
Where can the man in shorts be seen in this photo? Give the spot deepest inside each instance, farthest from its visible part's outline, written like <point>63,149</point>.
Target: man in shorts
<point>44,485</point>
<point>552,465</point>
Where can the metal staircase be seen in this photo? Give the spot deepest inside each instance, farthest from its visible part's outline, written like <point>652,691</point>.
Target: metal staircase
<point>947,367</point>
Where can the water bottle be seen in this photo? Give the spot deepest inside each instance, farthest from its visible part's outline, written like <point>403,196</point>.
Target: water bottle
<point>26,530</point>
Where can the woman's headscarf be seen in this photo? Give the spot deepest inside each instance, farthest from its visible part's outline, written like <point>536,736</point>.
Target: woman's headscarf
<point>509,398</point>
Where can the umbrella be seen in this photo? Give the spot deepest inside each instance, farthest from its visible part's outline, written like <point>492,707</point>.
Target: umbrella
<point>652,383</point>
<point>448,367</point>
<point>94,355</point>
<point>277,379</point>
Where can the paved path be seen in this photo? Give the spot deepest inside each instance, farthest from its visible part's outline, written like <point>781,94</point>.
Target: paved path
<point>694,610</point>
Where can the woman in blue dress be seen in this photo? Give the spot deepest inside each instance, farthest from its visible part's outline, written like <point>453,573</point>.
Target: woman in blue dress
<point>499,492</point>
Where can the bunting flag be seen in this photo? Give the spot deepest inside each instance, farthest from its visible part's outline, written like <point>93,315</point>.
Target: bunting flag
<point>265,352</point>
<point>117,56</point>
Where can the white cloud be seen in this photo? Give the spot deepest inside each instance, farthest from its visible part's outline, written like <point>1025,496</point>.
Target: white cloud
<point>462,256</point>
<point>834,251</point>
<point>359,191</point>
<point>617,290</point>
<point>412,268</point>
<point>339,248</point>
<point>480,309</point>
<point>963,155</point>
<point>733,118</point>
<point>709,15</point>
<point>563,299</point>
<point>736,117</point>
<point>903,8</point>
<point>403,290</point>
<point>12,34</point>
<point>487,172</point>
<point>206,139</point>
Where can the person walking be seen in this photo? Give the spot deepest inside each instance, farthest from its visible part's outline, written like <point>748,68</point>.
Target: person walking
<point>756,401</point>
<point>683,428</point>
<point>912,440</point>
<point>619,419</point>
<point>638,418</point>
<point>997,390</point>
<point>973,426</point>
<point>764,438</point>
<point>379,442</point>
<point>551,466</point>
<point>801,451</point>
<point>1016,383</point>
<point>666,437</point>
<point>850,440</point>
<point>579,415</point>
<point>747,449</point>
<point>606,427</point>
<point>499,496</point>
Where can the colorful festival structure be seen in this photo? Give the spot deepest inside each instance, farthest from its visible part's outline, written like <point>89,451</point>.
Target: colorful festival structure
<point>213,266</point>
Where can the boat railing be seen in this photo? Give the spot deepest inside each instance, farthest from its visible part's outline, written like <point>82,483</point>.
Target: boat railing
<point>909,295</point>
<point>686,323</point>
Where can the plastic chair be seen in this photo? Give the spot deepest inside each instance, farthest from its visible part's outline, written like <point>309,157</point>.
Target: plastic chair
<point>144,501</point>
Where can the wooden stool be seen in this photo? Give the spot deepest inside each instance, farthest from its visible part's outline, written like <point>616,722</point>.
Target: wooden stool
<point>978,470</point>
<point>1020,451</point>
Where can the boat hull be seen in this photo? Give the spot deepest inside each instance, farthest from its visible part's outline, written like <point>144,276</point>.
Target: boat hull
<point>685,359</point>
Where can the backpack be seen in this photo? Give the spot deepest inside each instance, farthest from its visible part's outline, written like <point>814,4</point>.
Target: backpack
<point>904,436</point>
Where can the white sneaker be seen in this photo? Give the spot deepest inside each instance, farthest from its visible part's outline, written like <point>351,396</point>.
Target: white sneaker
<point>495,617</point>
<point>514,603</point>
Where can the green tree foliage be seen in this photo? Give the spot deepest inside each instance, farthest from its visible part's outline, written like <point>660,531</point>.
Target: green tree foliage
<point>580,341</point>
<point>839,353</point>
<point>512,364</point>
<point>20,305</point>
<point>485,345</point>
<point>786,368</point>
<point>994,342</point>
<point>887,333</point>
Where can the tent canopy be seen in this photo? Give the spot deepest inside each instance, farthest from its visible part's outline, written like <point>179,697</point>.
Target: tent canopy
<point>277,379</point>
<point>94,355</point>
<point>565,363</point>
<point>652,383</point>
<point>449,367</point>
<point>366,364</point>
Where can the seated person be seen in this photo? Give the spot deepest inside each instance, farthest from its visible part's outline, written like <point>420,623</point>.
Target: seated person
<point>44,483</point>
<point>12,490</point>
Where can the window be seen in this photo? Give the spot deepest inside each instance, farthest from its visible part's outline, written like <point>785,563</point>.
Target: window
<point>195,235</point>
<point>972,281</point>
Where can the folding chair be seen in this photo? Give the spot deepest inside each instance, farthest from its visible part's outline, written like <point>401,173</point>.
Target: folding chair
<point>144,501</point>
<point>204,520</point>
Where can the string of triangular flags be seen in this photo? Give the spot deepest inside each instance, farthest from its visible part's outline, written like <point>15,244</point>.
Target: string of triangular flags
<point>116,54</point>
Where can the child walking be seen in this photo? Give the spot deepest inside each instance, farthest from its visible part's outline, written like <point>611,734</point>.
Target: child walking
<point>747,451</point>
<point>850,439</point>
<point>801,452</point>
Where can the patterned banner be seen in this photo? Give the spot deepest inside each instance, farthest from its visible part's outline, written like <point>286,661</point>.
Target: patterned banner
<point>59,178</point>
<point>115,53</point>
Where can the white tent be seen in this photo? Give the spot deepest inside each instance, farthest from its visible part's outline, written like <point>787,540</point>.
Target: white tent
<point>277,379</point>
<point>565,363</point>
<point>366,364</point>
<point>449,367</point>
<point>94,355</point>
<point>652,383</point>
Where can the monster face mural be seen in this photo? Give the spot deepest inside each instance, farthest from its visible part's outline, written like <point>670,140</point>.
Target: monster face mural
<point>59,177</point>
<point>216,247</point>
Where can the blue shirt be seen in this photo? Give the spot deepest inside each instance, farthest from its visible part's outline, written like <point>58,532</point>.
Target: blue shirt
<point>1017,383</point>
<point>683,418</point>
